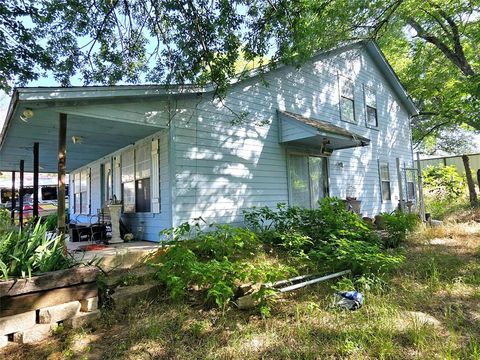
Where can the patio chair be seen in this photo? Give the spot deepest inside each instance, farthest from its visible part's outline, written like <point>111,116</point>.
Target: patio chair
<point>101,230</point>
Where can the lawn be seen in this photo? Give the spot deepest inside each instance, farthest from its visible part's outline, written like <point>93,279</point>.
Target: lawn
<point>428,308</point>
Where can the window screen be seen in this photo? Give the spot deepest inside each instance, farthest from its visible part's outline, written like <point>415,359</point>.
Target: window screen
<point>347,100</point>
<point>307,180</point>
<point>385,181</point>
<point>371,107</point>
<point>143,162</point>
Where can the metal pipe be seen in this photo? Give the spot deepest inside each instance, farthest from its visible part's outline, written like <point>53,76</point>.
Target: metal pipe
<point>13,205</point>
<point>420,188</point>
<point>35,179</point>
<point>314,281</point>
<point>62,146</point>
<point>20,195</point>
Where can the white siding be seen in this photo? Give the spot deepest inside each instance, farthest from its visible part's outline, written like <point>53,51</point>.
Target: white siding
<point>144,226</point>
<point>221,168</point>
<point>212,167</point>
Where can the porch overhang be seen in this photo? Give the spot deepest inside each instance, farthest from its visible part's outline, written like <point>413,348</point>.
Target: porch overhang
<point>298,130</point>
<point>96,134</point>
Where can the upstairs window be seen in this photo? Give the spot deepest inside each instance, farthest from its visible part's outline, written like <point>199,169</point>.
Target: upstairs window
<point>371,107</point>
<point>385,181</point>
<point>347,100</point>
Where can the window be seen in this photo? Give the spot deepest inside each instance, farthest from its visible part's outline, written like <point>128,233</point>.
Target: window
<point>136,170</point>
<point>80,192</point>
<point>308,180</point>
<point>107,182</point>
<point>142,195</point>
<point>128,180</point>
<point>49,193</point>
<point>371,107</point>
<point>385,181</point>
<point>410,182</point>
<point>347,102</point>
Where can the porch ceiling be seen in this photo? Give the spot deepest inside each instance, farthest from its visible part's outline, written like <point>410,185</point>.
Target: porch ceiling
<point>100,137</point>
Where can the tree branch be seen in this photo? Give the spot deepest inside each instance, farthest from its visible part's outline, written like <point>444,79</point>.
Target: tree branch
<point>456,59</point>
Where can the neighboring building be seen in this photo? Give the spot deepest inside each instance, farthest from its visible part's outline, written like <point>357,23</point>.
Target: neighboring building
<point>172,154</point>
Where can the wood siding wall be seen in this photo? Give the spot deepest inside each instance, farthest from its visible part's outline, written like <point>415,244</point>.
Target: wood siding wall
<point>222,168</point>
<point>214,163</point>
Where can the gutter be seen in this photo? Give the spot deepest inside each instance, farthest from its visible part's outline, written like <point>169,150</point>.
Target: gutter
<point>11,109</point>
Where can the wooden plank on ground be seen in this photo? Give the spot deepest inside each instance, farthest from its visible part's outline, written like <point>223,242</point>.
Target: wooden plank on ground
<point>50,280</point>
<point>12,305</point>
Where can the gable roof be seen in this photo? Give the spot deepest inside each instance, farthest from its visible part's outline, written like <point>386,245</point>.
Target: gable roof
<point>26,95</point>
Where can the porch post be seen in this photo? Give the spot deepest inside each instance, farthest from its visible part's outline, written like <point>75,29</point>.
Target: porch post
<point>20,195</point>
<point>12,213</point>
<point>62,145</point>
<point>35,180</point>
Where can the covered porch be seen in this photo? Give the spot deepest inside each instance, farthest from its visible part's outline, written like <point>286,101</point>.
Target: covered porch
<point>61,130</point>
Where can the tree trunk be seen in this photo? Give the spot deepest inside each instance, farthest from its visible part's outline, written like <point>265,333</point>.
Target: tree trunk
<point>471,185</point>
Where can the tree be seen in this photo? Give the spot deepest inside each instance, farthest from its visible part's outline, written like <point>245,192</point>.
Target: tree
<point>432,44</point>
<point>472,194</point>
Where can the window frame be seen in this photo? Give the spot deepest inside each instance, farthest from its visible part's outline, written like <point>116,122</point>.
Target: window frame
<point>326,182</point>
<point>367,106</point>
<point>344,97</point>
<point>382,181</point>
<point>132,182</point>
<point>83,193</point>
<point>412,181</point>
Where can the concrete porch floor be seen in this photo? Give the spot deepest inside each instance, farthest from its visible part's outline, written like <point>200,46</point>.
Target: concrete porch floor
<point>116,256</point>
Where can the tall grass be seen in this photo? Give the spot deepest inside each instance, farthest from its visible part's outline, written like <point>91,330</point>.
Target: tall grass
<point>31,251</point>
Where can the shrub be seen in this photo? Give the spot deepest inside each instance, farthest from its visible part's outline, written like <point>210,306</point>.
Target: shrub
<point>31,251</point>
<point>398,224</point>
<point>331,217</point>
<point>213,262</point>
<point>443,182</point>
<point>328,238</point>
<point>5,221</point>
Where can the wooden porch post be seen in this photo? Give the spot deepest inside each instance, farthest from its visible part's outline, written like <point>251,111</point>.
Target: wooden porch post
<point>62,145</point>
<point>35,180</point>
<point>20,195</point>
<point>12,214</point>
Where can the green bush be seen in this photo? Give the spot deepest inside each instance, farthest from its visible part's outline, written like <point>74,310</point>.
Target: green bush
<point>441,208</point>
<point>30,251</point>
<point>443,182</point>
<point>215,262</point>
<point>5,221</point>
<point>328,238</point>
<point>398,224</point>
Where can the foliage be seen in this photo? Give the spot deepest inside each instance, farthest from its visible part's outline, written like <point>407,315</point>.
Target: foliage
<point>51,222</point>
<point>216,261</point>
<point>31,251</point>
<point>398,224</point>
<point>443,182</point>
<point>326,238</point>
<point>442,208</point>
<point>5,221</point>
<point>433,47</point>
<point>213,261</point>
